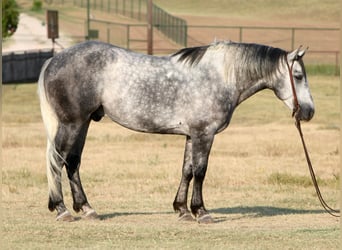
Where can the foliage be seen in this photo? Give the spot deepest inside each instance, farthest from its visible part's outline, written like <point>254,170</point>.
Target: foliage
<point>10,17</point>
<point>37,5</point>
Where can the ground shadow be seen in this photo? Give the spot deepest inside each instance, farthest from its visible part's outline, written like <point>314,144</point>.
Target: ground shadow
<point>244,211</point>
<point>260,211</point>
<point>118,214</point>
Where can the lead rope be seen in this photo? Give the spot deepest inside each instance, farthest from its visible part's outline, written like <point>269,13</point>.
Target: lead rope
<point>296,109</point>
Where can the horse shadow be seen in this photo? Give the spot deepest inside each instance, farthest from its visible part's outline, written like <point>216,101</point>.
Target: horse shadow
<point>259,211</point>
<point>243,211</point>
<point>119,214</point>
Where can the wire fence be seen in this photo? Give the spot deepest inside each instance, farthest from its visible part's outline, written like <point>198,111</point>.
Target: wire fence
<point>130,36</point>
<point>323,43</point>
<point>174,28</point>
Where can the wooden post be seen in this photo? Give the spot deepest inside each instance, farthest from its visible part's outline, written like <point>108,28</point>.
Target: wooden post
<point>149,28</point>
<point>88,20</point>
<point>52,26</point>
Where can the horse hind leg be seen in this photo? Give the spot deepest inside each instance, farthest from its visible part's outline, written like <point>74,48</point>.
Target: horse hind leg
<point>71,142</point>
<point>55,164</point>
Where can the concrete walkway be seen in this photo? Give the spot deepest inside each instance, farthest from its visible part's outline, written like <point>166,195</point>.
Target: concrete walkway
<point>31,34</point>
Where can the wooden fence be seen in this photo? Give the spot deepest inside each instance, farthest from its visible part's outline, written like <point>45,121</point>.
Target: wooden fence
<point>18,67</point>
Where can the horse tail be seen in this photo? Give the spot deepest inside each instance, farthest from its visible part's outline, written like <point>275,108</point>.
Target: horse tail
<point>48,115</point>
<point>50,121</point>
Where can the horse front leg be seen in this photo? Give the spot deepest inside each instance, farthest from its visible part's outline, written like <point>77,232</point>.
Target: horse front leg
<point>200,153</point>
<point>180,202</point>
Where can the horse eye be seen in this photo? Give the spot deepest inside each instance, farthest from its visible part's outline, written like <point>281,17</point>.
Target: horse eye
<point>298,77</point>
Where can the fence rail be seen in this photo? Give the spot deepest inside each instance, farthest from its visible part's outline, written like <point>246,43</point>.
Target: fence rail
<point>120,34</point>
<point>172,27</point>
<point>240,30</point>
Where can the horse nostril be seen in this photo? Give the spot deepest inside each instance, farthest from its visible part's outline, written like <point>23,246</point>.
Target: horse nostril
<point>311,113</point>
<point>306,112</point>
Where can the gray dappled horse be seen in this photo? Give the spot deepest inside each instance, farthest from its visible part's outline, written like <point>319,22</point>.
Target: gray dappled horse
<point>192,92</point>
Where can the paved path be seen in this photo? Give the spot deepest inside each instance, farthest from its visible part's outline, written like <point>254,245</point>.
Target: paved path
<point>32,35</point>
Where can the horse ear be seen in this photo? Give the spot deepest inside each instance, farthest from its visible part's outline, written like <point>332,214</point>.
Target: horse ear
<point>296,54</point>
<point>301,53</point>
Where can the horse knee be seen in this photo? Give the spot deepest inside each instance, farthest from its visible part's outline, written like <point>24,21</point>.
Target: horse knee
<point>199,172</point>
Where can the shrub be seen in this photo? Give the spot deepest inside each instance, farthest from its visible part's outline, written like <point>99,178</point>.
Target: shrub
<point>37,5</point>
<point>10,17</point>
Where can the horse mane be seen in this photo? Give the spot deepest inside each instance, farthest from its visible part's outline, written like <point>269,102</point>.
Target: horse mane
<point>250,61</point>
<point>255,61</point>
<point>191,55</point>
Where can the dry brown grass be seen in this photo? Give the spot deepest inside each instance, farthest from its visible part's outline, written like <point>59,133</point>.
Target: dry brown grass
<point>131,179</point>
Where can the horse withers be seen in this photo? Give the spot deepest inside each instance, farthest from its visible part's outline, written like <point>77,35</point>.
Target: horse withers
<point>193,92</point>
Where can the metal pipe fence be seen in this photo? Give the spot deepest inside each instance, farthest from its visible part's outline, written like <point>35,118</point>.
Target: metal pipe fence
<point>273,35</point>
<point>174,28</point>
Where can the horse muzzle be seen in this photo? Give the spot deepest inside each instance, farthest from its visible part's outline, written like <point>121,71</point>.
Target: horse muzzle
<point>305,112</point>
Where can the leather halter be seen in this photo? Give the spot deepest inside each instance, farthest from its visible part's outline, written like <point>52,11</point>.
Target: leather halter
<point>295,112</point>
<point>296,106</point>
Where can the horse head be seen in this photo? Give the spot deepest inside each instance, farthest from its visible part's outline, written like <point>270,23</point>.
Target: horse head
<point>294,87</point>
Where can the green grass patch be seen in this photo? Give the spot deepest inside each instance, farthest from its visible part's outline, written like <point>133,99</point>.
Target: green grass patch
<point>298,180</point>
<point>322,69</point>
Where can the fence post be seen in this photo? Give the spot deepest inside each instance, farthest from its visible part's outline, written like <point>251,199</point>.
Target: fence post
<point>128,27</point>
<point>292,38</point>
<point>88,19</point>
<point>240,34</point>
<point>149,28</point>
<point>336,63</point>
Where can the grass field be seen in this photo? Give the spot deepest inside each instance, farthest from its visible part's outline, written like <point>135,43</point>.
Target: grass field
<point>300,10</point>
<point>257,186</point>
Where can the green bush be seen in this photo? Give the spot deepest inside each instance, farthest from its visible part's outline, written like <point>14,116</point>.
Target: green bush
<point>37,5</point>
<point>10,17</point>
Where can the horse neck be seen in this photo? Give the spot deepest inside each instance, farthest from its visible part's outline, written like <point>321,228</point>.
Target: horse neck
<point>251,89</point>
<point>248,87</point>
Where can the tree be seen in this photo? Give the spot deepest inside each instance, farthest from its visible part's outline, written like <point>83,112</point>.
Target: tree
<point>10,17</point>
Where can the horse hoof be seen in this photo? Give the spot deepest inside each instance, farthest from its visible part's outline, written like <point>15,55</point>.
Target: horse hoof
<point>205,219</point>
<point>65,216</point>
<point>90,215</point>
<point>186,217</point>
